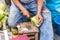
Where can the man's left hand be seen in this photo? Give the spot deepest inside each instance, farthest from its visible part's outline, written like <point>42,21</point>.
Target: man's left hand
<point>40,18</point>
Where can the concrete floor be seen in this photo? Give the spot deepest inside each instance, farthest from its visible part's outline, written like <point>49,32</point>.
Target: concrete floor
<point>57,37</point>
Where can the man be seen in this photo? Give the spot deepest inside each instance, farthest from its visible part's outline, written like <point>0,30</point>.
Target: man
<point>54,7</point>
<point>22,9</point>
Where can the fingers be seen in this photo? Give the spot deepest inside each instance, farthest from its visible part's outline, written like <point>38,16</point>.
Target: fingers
<point>41,19</point>
<point>28,16</point>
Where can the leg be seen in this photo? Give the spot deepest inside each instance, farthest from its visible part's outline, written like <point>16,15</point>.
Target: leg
<point>14,16</point>
<point>46,28</point>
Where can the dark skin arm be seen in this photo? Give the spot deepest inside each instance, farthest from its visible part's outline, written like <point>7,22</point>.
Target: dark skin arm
<point>39,4</point>
<point>20,6</point>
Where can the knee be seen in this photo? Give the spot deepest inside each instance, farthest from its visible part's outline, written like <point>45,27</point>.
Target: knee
<point>11,23</point>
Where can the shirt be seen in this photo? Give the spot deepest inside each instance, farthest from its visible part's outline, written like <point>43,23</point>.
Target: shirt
<point>26,1</point>
<point>53,5</point>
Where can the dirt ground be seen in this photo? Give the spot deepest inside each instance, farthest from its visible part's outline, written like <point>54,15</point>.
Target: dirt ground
<point>55,37</point>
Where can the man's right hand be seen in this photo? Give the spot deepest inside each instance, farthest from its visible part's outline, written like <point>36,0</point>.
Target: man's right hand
<point>26,13</point>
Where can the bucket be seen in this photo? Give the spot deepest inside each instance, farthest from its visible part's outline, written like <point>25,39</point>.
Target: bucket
<point>57,21</point>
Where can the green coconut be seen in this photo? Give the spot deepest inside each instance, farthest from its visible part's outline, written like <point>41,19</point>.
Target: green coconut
<point>2,6</point>
<point>34,20</point>
<point>1,24</point>
<point>2,14</point>
<point>4,19</point>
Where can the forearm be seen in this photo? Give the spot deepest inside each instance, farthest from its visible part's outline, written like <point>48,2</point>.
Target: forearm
<point>19,5</point>
<point>39,4</point>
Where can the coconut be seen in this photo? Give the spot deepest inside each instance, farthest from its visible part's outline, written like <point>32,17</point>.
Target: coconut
<point>1,24</point>
<point>2,6</point>
<point>34,20</point>
<point>2,14</point>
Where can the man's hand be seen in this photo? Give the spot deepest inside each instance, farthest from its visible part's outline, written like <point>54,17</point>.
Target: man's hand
<point>40,18</point>
<point>26,13</point>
